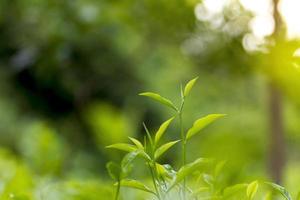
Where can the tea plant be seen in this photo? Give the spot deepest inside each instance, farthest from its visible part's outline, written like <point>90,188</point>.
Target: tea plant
<point>169,183</point>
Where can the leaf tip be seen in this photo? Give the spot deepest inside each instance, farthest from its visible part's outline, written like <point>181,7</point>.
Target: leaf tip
<point>142,93</point>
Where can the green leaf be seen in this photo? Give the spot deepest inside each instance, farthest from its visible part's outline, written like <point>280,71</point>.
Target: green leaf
<point>269,196</point>
<point>281,190</point>
<point>232,190</point>
<point>151,146</point>
<point>137,143</point>
<point>219,167</point>
<point>165,171</point>
<point>160,99</point>
<point>252,189</point>
<point>188,169</point>
<point>162,130</point>
<point>122,147</point>
<point>114,170</point>
<point>209,179</point>
<point>126,164</point>
<point>136,185</point>
<point>200,190</point>
<point>161,150</point>
<point>202,123</point>
<point>188,87</point>
<point>298,196</point>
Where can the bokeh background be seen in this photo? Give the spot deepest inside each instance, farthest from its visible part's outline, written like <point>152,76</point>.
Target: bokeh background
<point>71,72</point>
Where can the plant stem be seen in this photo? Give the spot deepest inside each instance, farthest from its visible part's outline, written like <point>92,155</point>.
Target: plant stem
<point>154,183</point>
<point>183,142</point>
<point>118,190</point>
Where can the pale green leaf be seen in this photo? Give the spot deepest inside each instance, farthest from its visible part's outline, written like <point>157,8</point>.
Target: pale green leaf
<point>219,167</point>
<point>252,189</point>
<point>297,198</point>
<point>114,170</point>
<point>232,190</point>
<point>187,170</point>
<point>202,123</point>
<point>269,196</point>
<point>281,190</point>
<point>122,147</point>
<point>137,143</point>
<point>136,185</point>
<point>209,179</point>
<point>162,130</point>
<point>149,138</point>
<point>188,87</point>
<point>160,99</point>
<point>199,191</point>
<point>126,163</point>
<point>165,171</point>
<point>161,150</point>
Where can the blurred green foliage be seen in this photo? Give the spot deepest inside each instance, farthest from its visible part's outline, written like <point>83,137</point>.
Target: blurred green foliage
<point>71,70</point>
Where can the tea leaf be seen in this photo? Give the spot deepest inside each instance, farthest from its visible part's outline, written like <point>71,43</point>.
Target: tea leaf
<point>281,190</point>
<point>268,196</point>
<point>137,143</point>
<point>188,87</point>
<point>187,170</point>
<point>136,185</point>
<point>126,163</point>
<point>122,147</point>
<point>219,168</point>
<point>149,137</point>
<point>202,123</point>
<point>161,150</point>
<point>114,170</point>
<point>160,99</point>
<point>252,189</point>
<point>209,179</point>
<point>232,190</point>
<point>165,171</point>
<point>162,130</point>
<point>199,191</point>
<point>298,196</point>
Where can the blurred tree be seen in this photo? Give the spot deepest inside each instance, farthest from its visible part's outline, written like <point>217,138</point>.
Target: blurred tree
<point>60,57</point>
<point>277,141</point>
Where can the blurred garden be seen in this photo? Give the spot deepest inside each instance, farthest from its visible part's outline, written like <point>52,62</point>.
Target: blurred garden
<point>71,73</point>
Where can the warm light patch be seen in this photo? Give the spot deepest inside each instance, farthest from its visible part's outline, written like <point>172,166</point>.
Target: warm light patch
<point>290,10</point>
<point>262,24</point>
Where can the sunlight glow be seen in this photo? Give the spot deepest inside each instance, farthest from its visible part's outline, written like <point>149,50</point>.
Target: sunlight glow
<point>291,15</point>
<point>262,24</point>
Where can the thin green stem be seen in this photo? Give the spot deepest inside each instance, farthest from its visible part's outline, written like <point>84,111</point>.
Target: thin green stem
<point>152,162</point>
<point>118,190</point>
<point>154,182</point>
<point>158,179</point>
<point>183,142</point>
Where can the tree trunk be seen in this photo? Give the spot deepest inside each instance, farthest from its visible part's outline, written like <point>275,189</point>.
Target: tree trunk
<point>277,147</point>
